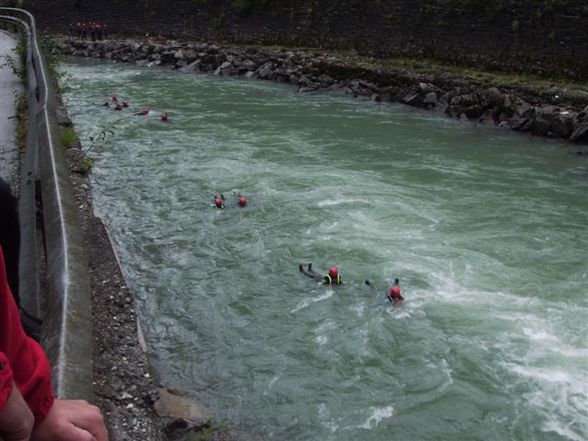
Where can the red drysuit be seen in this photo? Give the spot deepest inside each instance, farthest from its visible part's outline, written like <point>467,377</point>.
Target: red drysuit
<point>21,359</point>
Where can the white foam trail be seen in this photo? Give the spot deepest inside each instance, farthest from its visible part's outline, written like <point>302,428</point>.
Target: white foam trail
<point>304,303</point>
<point>324,417</point>
<point>321,337</point>
<point>271,384</point>
<point>333,202</point>
<point>378,414</point>
<point>396,314</point>
<point>447,371</point>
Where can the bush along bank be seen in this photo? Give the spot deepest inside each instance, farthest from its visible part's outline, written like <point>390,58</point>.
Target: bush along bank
<point>537,107</point>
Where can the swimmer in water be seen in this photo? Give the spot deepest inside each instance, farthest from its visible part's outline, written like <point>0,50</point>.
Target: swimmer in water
<point>333,277</point>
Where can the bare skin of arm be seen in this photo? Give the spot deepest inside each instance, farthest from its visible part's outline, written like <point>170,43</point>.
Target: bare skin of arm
<point>16,419</point>
<point>71,420</point>
<point>68,420</point>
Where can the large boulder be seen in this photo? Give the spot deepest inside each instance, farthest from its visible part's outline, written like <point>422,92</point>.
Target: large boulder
<point>580,135</point>
<point>225,69</point>
<point>563,125</point>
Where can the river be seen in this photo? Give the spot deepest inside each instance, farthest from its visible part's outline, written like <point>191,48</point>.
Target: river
<point>487,231</point>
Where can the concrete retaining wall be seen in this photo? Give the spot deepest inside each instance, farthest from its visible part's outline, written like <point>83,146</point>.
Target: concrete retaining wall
<point>54,264</point>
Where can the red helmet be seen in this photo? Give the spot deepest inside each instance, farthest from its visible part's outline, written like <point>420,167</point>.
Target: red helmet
<point>218,202</point>
<point>334,272</point>
<point>395,291</point>
<point>242,201</point>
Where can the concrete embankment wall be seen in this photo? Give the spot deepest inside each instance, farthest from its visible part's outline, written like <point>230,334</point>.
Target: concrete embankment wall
<point>53,262</point>
<point>539,36</point>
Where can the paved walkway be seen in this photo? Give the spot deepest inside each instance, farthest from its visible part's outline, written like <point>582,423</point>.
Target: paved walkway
<point>10,88</point>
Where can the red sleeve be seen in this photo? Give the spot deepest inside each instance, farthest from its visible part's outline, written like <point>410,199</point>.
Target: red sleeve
<point>30,368</point>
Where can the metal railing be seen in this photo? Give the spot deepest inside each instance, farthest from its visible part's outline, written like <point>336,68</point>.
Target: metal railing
<point>53,263</point>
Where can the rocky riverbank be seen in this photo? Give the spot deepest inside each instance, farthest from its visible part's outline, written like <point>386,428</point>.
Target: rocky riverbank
<point>544,110</point>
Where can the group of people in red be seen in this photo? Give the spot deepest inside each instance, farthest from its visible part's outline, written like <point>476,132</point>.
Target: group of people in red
<point>90,30</point>
<point>29,409</point>
<point>221,203</point>
<point>333,277</point>
<point>119,105</point>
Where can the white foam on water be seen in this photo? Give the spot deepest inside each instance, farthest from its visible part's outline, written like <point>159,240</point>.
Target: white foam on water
<point>358,308</point>
<point>325,418</point>
<point>378,414</point>
<point>397,313</point>
<point>271,384</point>
<point>333,202</point>
<point>309,301</point>
<point>446,369</point>
<point>321,337</point>
<point>557,387</point>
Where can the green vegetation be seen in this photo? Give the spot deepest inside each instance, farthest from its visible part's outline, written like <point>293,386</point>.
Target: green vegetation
<point>68,138</point>
<point>12,3</point>
<point>17,62</point>
<point>22,108</point>
<point>52,60</point>
<point>86,164</point>
<point>209,431</point>
<point>487,79</point>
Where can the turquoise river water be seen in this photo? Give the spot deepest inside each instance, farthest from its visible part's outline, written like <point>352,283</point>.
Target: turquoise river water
<point>486,229</point>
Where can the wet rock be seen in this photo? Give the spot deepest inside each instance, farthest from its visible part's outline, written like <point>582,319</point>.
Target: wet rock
<point>539,126</point>
<point>580,134</point>
<point>265,71</point>
<point>563,125</point>
<point>178,428</point>
<point>223,436</point>
<point>173,404</point>
<point>192,67</point>
<point>426,88</point>
<point>224,69</point>
<point>413,99</point>
<point>168,57</point>
<point>431,100</point>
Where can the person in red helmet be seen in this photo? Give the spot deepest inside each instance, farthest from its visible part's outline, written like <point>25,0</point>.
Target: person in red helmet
<point>333,277</point>
<point>219,202</point>
<point>395,295</point>
<point>242,201</point>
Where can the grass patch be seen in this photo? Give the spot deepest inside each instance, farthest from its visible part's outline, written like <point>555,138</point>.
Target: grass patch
<point>68,138</point>
<point>487,79</point>
<point>208,432</point>
<point>22,107</point>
